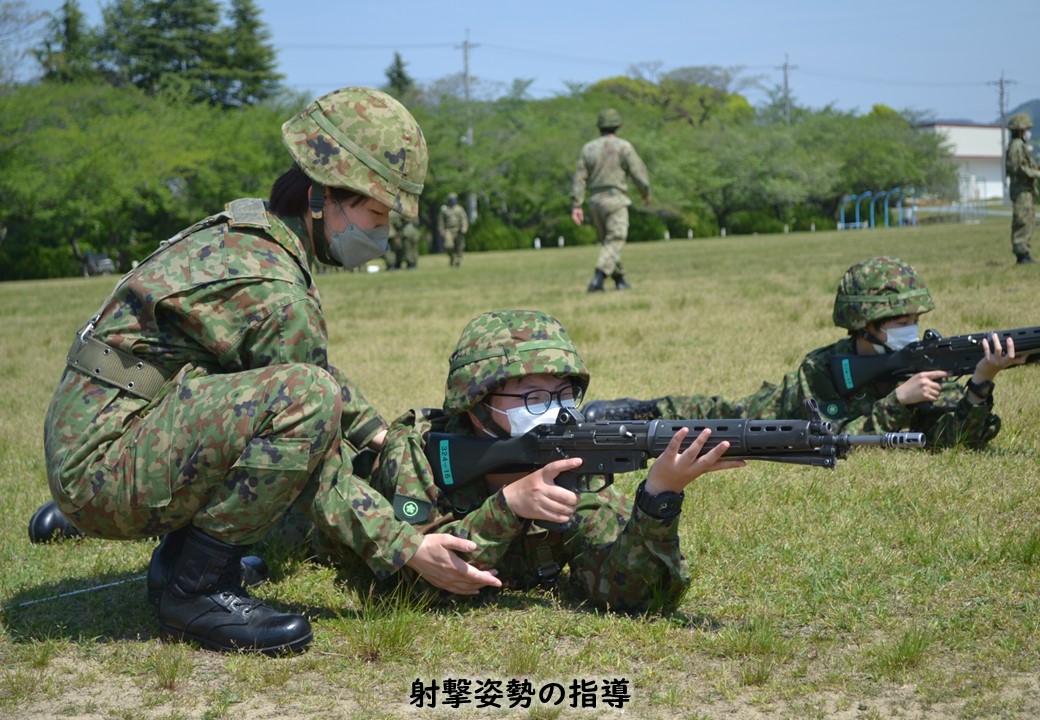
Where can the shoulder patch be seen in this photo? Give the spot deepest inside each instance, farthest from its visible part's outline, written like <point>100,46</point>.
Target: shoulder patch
<point>412,510</point>
<point>248,212</point>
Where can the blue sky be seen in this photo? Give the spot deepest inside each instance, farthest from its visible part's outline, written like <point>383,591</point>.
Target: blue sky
<point>942,58</point>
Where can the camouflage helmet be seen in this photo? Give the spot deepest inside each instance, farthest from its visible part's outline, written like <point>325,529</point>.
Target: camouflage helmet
<point>879,288</point>
<point>504,344</point>
<point>1020,121</point>
<point>608,118</point>
<point>362,140</point>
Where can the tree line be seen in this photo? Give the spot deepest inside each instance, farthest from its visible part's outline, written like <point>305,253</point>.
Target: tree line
<point>167,110</point>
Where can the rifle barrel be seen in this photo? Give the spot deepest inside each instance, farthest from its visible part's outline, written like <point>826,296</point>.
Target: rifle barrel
<point>886,440</point>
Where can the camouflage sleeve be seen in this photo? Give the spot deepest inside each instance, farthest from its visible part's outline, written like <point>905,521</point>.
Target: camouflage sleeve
<point>952,420</point>
<point>404,471</point>
<point>623,559</point>
<point>350,514</point>
<point>581,178</point>
<point>1019,161</point>
<point>864,413</point>
<point>360,422</point>
<point>636,169</point>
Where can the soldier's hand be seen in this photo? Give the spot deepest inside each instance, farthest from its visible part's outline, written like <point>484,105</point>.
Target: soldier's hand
<point>922,387</point>
<point>674,470</point>
<point>537,497</point>
<point>996,358</point>
<point>437,563</point>
<point>578,216</point>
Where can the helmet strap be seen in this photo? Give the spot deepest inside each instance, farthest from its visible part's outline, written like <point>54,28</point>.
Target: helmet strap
<point>317,206</point>
<point>487,419</point>
<point>874,340</point>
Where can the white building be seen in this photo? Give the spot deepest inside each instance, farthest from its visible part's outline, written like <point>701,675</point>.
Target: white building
<point>978,154</point>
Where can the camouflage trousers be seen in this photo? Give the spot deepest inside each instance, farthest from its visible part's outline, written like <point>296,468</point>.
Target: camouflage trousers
<point>455,246</point>
<point>228,453</point>
<point>1023,222</point>
<point>611,223</point>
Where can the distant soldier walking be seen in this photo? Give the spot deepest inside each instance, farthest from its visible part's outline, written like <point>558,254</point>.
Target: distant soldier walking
<point>603,166</point>
<point>1024,175</point>
<point>452,224</point>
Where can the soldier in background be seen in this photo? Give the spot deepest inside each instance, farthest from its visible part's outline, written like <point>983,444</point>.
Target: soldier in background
<point>879,302</point>
<point>411,234</point>
<point>603,166</point>
<point>199,404</point>
<point>1024,176</point>
<point>452,225</point>
<point>395,245</point>
<point>512,370</point>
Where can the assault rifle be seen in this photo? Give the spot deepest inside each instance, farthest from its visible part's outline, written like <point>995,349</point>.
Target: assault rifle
<point>607,447</point>
<point>957,355</point>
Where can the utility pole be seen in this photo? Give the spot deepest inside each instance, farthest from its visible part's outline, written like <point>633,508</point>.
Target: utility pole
<point>471,197</point>
<point>1002,83</point>
<point>787,67</point>
<point>466,46</point>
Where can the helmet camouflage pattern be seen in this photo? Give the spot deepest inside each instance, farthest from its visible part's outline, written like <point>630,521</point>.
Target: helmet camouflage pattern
<point>504,344</point>
<point>362,140</point>
<point>878,288</point>
<point>1020,121</point>
<point>608,118</point>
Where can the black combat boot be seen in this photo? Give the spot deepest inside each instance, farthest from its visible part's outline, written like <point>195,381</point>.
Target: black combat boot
<point>597,281</point>
<point>205,602</point>
<point>254,569</point>
<point>49,523</point>
<point>619,281</point>
<point>621,409</point>
<point>1025,259</point>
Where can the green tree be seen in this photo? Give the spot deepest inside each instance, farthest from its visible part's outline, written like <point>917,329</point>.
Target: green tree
<point>16,23</point>
<point>398,82</point>
<point>250,71</point>
<point>178,48</point>
<point>67,51</point>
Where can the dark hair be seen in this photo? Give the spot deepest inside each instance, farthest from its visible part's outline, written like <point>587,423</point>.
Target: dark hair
<point>289,194</point>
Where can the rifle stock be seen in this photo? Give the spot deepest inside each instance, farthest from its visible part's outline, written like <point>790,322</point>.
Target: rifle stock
<point>609,447</point>
<point>957,355</point>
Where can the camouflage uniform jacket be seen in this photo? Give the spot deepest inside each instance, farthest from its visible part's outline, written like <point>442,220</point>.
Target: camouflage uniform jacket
<point>603,166</point>
<point>618,557</point>
<point>1022,170</point>
<point>452,220</point>
<point>950,420</point>
<point>231,293</point>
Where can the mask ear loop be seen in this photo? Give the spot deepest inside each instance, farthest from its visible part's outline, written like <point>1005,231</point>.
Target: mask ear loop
<point>317,207</point>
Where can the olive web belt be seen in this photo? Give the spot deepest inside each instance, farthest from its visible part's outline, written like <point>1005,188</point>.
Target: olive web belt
<point>116,367</point>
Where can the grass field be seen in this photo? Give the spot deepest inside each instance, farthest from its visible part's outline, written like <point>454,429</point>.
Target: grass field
<point>901,585</point>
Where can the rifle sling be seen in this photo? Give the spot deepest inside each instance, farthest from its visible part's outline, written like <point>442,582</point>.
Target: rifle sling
<point>116,367</point>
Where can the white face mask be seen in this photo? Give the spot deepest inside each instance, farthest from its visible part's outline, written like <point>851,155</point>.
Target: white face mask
<point>354,247</point>
<point>900,337</point>
<point>521,420</point>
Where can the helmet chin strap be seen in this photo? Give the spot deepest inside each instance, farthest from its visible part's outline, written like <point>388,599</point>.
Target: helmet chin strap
<point>317,205</point>
<point>487,419</point>
<point>874,340</point>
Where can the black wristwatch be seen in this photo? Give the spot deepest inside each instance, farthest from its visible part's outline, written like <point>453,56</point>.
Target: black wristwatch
<point>983,390</point>
<point>662,506</point>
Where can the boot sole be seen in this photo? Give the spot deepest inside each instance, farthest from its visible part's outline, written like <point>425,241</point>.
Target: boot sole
<point>296,646</point>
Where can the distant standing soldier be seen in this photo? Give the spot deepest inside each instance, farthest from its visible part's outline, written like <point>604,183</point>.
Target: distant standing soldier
<point>1024,175</point>
<point>395,243</point>
<point>603,165</point>
<point>452,224</point>
<point>411,234</point>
